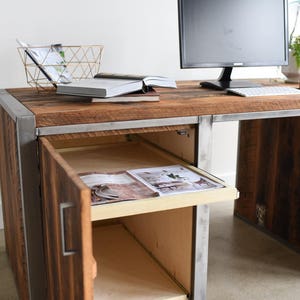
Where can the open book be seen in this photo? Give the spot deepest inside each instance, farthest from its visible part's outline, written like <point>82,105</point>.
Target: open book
<point>111,85</point>
<point>148,81</point>
<point>145,183</point>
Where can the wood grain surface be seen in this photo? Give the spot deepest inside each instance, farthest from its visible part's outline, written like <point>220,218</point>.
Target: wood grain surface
<point>167,235</point>
<point>268,176</point>
<point>187,100</point>
<point>91,137</point>
<point>12,203</point>
<point>69,277</point>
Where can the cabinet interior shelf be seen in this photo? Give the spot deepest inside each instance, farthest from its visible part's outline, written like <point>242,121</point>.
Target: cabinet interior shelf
<point>127,271</point>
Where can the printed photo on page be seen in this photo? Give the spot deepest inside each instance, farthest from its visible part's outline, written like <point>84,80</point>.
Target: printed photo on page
<point>115,187</point>
<point>173,180</point>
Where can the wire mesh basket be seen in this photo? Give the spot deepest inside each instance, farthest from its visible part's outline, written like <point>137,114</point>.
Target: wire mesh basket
<point>46,66</point>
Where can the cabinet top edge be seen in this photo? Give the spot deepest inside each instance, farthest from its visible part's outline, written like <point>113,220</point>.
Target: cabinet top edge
<point>13,106</point>
<point>188,100</point>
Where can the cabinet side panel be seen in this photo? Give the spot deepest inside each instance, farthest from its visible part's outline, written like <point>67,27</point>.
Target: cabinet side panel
<point>286,212</point>
<point>167,236</point>
<point>181,142</point>
<point>12,203</point>
<point>269,177</point>
<point>67,228</point>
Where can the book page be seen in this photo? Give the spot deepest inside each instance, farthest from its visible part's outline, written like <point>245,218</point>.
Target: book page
<point>159,81</point>
<point>173,180</point>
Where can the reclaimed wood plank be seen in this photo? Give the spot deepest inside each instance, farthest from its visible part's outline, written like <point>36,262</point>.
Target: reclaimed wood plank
<point>12,203</point>
<point>268,177</point>
<point>187,100</point>
<point>70,275</point>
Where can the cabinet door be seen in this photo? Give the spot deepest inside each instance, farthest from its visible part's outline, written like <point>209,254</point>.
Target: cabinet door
<point>67,228</point>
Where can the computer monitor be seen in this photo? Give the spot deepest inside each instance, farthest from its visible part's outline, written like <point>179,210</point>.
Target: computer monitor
<point>232,33</point>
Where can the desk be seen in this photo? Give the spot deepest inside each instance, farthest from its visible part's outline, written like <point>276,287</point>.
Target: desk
<point>26,116</point>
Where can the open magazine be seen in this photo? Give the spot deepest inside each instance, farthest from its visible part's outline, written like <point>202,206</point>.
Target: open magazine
<point>145,183</point>
<point>115,187</point>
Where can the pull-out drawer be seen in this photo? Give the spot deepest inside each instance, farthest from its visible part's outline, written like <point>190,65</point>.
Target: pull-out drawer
<point>142,248</point>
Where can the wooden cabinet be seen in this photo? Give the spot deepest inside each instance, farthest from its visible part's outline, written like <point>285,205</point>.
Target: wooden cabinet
<point>142,249</point>
<point>60,247</point>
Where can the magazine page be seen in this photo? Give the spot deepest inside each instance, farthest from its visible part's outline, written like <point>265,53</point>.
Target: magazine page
<point>174,179</point>
<point>50,60</point>
<point>115,187</point>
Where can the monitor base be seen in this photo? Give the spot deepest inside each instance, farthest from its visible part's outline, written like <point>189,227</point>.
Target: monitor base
<point>223,85</point>
<point>224,82</point>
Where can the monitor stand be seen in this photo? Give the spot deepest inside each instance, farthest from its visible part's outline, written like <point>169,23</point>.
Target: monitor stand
<point>225,82</point>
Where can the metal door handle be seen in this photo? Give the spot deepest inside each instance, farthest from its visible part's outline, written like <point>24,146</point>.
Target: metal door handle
<point>62,207</point>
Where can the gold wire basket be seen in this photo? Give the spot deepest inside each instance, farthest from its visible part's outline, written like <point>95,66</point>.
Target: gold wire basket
<point>46,66</point>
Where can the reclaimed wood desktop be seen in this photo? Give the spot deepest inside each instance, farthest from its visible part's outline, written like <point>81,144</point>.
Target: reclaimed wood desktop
<point>268,172</point>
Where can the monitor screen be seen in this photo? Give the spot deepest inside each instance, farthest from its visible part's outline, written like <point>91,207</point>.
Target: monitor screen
<point>230,33</point>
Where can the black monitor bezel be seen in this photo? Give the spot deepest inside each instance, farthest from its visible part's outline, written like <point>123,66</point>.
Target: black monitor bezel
<point>184,65</point>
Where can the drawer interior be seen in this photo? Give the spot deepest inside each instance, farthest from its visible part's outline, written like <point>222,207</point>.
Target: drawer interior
<point>114,157</point>
<point>134,152</point>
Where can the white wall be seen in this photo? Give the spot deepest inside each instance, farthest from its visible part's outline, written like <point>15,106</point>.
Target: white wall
<point>139,36</point>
